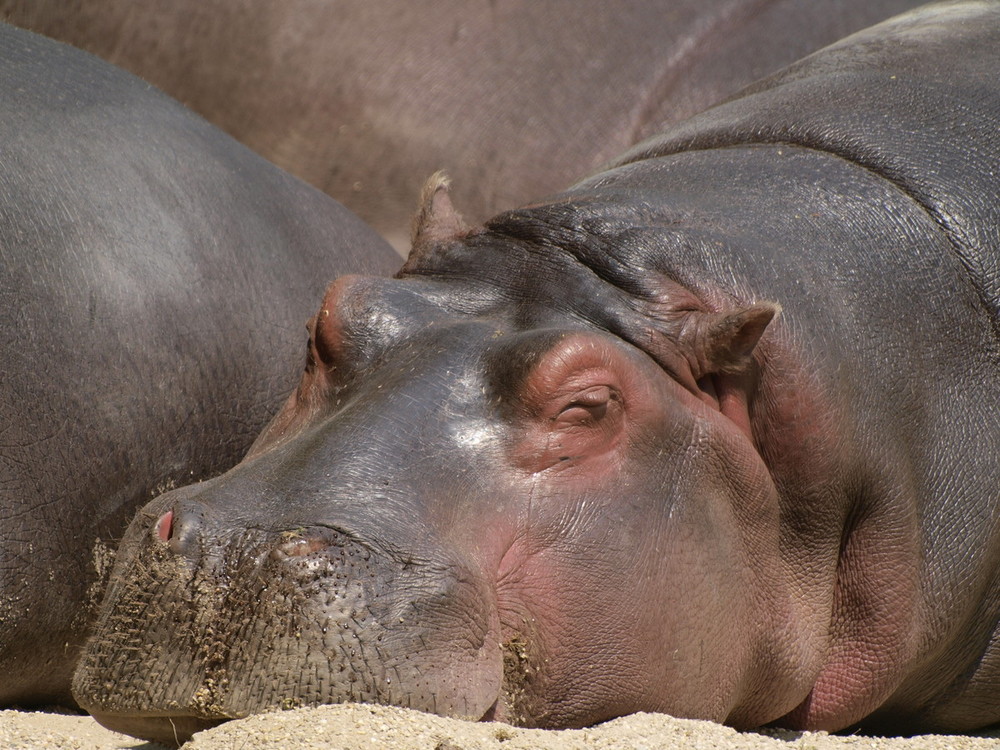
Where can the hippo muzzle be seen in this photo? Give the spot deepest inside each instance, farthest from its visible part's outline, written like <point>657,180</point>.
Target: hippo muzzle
<point>212,619</point>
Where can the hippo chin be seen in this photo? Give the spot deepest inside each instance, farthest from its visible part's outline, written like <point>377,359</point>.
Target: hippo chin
<point>713,433</point>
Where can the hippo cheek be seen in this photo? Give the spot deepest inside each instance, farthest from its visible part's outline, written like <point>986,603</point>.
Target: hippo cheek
<point>625,599</point>
<point>601,619</point>
<point>648,545</point>
<point>200,627</point>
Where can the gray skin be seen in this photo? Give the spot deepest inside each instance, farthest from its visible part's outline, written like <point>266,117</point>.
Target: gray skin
<point>154,274</point>
<point>513,99</point>
<point>576,463</point>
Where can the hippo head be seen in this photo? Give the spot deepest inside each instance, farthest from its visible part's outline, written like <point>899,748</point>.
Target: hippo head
<point>513,483</point>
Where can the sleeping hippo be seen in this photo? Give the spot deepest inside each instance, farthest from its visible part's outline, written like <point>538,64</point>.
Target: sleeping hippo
<point>714,432</point>
<point>514,99</point>
<point>153,274</point>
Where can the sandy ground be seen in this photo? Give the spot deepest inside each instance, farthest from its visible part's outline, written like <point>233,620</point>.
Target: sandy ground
<point>353,727</point>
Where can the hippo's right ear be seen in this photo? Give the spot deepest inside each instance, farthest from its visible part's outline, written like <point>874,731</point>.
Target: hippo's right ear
<point>437,221</point>
<point>724,342</point>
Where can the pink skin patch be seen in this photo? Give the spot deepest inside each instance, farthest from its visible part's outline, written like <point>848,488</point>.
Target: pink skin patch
<point>165,526</point>
<point>304,546</point>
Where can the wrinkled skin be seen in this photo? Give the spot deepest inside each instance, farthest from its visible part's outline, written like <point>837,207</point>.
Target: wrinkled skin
<point>513,99</point>
<point>578,463</point>
<point>154,274</point>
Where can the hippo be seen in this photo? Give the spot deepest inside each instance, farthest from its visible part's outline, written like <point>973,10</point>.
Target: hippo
<point>155,274</point>
<point>714,432</point>
<point>513,99</point>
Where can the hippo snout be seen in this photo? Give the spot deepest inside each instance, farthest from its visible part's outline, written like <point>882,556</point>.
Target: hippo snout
<point>210,619</point>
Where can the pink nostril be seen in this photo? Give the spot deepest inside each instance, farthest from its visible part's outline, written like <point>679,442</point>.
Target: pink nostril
<point>165,526</point>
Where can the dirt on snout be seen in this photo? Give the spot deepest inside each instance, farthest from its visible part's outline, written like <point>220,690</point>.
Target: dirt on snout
<point>356,727</point>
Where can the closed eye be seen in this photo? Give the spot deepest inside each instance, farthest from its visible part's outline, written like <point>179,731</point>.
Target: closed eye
<point>588,406</point>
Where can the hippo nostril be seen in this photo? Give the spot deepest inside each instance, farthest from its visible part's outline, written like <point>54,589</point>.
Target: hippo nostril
<point>180,529</point>
<point>164,528</point>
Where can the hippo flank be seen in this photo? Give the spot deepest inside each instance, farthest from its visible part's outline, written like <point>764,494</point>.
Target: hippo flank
<point>364,100</point>
<point>713,433</point>
<point>153,275</point>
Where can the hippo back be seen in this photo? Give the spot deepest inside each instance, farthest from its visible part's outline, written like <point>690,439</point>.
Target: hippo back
<point>896,100</point>
<point>154,280</point>
<point>513,99</point>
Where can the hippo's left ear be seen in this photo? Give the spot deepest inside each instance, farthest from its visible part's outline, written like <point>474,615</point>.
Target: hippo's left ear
<point>724,342</point>
<point>437,220</point>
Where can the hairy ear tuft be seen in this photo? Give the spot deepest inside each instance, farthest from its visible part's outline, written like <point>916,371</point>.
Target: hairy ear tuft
<point>436,221</point>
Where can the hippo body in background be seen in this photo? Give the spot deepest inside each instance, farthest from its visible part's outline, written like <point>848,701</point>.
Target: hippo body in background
<point>154,276</point>
<point>513,99</point>
<point>713,433</point>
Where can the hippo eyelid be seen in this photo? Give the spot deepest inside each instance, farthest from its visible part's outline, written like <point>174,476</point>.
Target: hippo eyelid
<point>596,395</point>
<point>593,400</point>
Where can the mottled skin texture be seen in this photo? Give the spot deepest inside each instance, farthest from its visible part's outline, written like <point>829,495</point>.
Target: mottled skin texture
<point>513,98</point>
<point>154,277</point>
<point>577,463</point>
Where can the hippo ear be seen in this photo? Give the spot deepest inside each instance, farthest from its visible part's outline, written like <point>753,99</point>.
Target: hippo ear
<point>437,220</point>
<point>724,342</point>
